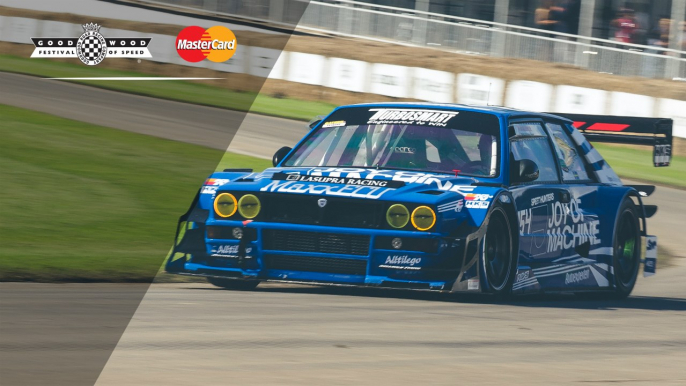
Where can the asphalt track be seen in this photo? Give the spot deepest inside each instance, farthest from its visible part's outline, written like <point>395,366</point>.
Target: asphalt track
<point>206,126</point>
<point>195,334</point>
<point>185,334</point>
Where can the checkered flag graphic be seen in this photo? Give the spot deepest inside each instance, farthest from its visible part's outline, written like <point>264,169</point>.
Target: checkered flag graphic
<point>91,47</point>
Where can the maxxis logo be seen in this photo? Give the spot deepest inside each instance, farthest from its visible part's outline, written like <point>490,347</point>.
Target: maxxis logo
<point>217,44</point>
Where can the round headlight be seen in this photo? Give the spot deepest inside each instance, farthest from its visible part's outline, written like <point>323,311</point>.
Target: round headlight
<point>249,206</point>
<point>225,205</point>
<point>397,216</point>
<point>423,218</point>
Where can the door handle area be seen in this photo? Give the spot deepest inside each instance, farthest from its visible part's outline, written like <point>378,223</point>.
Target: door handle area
<point>565,197</point>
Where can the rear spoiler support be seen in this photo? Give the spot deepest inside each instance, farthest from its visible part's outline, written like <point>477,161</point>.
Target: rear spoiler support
<point>655,132</point>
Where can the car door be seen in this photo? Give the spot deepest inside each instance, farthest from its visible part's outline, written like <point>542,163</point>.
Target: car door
<point>535,201</point>
<point>581,243</point>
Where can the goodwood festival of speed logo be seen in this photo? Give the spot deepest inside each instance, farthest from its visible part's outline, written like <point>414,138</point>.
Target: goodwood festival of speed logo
<point>91,47</point>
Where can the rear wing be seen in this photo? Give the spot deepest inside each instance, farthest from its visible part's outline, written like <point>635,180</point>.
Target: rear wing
<point>655,132</point>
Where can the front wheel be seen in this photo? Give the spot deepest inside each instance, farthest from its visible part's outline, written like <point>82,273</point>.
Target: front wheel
<point>238,285</point>
<point>498,254</point>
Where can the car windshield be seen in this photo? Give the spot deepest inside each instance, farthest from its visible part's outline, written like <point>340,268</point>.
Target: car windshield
<point>466,150</point>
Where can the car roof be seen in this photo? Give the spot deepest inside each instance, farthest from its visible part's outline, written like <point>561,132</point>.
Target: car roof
<point>505,112</point>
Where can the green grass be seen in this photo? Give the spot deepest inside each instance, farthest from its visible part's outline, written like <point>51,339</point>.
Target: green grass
<point>637,164</point>
<point>197,93</point>
<point>83,202</point>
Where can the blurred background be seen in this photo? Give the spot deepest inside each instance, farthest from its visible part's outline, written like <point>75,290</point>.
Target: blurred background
<point>559,31</point>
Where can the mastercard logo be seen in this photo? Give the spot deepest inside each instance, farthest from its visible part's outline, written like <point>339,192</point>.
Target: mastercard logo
<point>217,44</point>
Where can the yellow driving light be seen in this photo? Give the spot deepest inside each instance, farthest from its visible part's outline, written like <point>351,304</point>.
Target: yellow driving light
<point>225,205</point>
<point>397,216</point>
<point>249,206</point>
<point>423,218</point>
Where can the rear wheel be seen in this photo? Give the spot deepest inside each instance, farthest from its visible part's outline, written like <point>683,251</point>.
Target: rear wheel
<point>498,256</point>
<point>627,249</point>
<point>239,285</point>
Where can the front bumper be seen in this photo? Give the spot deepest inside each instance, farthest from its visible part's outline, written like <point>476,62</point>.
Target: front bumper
<point>327,255</point>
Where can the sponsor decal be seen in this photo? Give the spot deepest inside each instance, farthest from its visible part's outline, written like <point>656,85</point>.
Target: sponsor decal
<point>225,250</point>
<point>477,204</point>
<point>217,44</point>
<point>576,277</point>
<point>451,206</point>
<point>564,224</point>
<point>212,184</point>
<point>368,192</point>
<point>404,149</point>
<point>411,117</point>
<point>651,244</point>
<point>338,180</point>
<point>401,262</point>
<point>522,276</point>
<point>91,47</point>
<point>650,256</point>
<point>333,124</point>
<point>473,284</point>
<point>662,154</point>
<point>477,197</point>
<point>477,201</point>
<point>395,175</point>
<point>542,199</point>
<point>391,178</point>
<point>216,181</point>
<point>209,190</point>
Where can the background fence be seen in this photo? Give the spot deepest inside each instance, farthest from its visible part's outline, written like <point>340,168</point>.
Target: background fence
<point>389,80</point>
<point>456,34</point>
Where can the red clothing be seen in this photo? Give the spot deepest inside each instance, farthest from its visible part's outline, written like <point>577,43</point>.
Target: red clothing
<point>626,27</point>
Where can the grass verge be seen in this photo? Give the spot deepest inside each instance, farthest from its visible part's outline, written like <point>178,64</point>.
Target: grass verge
<point>88,203</point>
<point>637,164</point>
<point>197,93</point>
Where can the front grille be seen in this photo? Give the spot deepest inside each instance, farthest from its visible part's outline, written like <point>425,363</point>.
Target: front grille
<point>316,264</point>
<point>298,241</point>
<point>343,212</point>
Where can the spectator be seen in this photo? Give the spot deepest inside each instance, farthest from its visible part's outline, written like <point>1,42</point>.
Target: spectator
<point>560,14</point>
<point>542,16</point>
<point>642,23</point>
<point>659,36</point>
<point>625,26</point>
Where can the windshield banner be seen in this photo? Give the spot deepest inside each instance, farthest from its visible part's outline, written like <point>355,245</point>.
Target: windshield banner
<point>338,180</point>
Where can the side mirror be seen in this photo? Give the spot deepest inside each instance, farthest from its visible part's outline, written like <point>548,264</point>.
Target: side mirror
<point>315,121</point>
<point>524,170</point>
<point>280,155</point>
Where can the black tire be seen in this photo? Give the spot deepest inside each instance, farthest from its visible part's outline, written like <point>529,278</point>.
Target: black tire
<point>232,284</point>
<point>499,260</point>
<point>626,249</point>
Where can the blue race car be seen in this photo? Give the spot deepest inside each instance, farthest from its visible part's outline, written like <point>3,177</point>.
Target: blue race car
<point>432,197</point>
